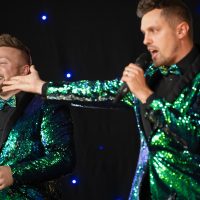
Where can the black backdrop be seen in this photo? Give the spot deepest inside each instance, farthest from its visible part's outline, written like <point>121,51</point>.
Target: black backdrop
<point>93,40</point>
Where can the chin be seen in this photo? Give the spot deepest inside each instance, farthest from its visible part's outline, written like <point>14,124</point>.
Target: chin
<point>3,94</point>
<point>160,62</point>
<point>157,63</point>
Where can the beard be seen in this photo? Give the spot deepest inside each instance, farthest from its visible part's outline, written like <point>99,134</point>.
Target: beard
<point>161,60</point>
<point>3,94</point>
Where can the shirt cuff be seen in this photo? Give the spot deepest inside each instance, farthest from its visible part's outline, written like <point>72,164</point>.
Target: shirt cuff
<point>151,98</point>
<point>44,89</point>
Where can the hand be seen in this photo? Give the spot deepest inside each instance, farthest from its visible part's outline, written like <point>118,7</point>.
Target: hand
<point>134,77</point>
<point>6,178</point>
<point>28,83</point>
<point>2,79</point>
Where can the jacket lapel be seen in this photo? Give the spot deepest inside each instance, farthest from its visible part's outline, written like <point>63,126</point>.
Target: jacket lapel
<point>21,105</point>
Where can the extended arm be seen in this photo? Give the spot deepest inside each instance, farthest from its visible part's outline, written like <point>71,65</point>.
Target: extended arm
<point>92,91</point>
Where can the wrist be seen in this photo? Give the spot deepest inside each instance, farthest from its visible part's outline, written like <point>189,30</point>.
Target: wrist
<point>145,95</point>
<point>38,88</point>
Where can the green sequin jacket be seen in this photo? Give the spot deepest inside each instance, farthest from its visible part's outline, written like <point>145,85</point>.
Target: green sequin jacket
<point>171,152</point>
<point>37,144</point>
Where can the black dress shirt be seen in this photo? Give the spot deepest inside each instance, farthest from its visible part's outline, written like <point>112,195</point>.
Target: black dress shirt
<point>161,86</point>
<point>6,113</point>
<point>164,85</point>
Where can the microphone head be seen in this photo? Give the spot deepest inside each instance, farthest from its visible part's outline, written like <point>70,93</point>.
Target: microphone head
<point>144,60</point>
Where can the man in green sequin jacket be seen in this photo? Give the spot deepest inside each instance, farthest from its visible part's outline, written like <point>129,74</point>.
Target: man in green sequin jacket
<point>166,102</point>
<point>36,144</point>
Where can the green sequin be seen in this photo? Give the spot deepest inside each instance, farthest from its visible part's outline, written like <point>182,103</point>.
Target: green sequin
<point>39,148</point>
<point>174,160</point>
<point>173,169</point>
<point>90,91</point>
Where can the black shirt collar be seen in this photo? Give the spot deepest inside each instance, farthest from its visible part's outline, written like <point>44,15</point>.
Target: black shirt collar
<point>19,97</point>
<point>188,59</point>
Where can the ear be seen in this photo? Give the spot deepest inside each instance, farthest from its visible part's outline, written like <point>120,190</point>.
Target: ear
<point>25,70</point>
<point>182,30</point>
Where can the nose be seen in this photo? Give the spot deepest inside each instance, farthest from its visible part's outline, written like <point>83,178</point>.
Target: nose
<point>147,40</point>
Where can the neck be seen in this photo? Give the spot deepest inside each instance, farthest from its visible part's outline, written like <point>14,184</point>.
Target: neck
<point>185,48</point>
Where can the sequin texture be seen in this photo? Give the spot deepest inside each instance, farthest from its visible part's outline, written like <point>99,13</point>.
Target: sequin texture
<point>171,152</point>
<point>39,148</point>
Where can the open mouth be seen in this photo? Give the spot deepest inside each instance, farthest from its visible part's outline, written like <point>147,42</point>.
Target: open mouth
<point>153,53</point>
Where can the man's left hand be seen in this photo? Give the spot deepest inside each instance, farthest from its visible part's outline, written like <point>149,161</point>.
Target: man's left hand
<point>6,178</point>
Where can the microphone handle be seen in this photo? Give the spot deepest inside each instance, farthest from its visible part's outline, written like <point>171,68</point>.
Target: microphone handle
<point>122,92</point>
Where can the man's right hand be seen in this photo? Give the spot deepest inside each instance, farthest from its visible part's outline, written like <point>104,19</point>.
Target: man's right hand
<point>28,83</point>
<point>133,75</point>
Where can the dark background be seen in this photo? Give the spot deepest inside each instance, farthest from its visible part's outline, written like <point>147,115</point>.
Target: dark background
<point>92,40</point>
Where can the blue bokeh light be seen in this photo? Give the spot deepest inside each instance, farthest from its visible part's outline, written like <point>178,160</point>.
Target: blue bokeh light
<point>198,9</point>
<point>101,147</point>
<point>68,75</point>
<point>44,17</point>
<point>119,198</point>
<point>74,180</point>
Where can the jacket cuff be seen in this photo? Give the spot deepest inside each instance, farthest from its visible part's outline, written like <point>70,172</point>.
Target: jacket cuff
<point>44,89</point>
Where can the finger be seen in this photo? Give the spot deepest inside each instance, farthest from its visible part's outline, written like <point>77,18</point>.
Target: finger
<point>125,73</point>
<point>126,79</point>
<point>2,181</point>
<point>132,66</point>
<point>32,69</point>
<point>13,78</point>
<point>10,82</point>
<point>127,68</point>
<point>123,79</point>
<point>2,186</point>
<point>9,88</point>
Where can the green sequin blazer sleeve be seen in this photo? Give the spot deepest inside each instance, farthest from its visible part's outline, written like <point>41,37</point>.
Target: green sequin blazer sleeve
<point>86,91</point>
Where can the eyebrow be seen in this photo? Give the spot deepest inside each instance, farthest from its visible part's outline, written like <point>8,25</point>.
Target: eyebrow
<point>5,58</point>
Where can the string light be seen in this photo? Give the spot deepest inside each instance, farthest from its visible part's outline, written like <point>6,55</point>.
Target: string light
<point>119,198</point>
<point>74,180</point>
<point>198,9</point>
<point>101,147</point>
<point>68,75</point>
<point>44,17</point>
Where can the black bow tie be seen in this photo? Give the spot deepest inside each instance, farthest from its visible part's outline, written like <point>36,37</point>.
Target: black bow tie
<point>173,69</point>
<point>11,102</point>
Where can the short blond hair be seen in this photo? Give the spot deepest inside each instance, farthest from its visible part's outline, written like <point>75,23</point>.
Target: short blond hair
<point>171,10</point>
<point>7,40</point>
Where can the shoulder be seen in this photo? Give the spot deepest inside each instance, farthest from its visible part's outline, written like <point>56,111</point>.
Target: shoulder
<point>51,107</point>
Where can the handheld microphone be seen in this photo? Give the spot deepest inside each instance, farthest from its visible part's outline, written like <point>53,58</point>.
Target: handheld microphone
<point>142,61</point>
